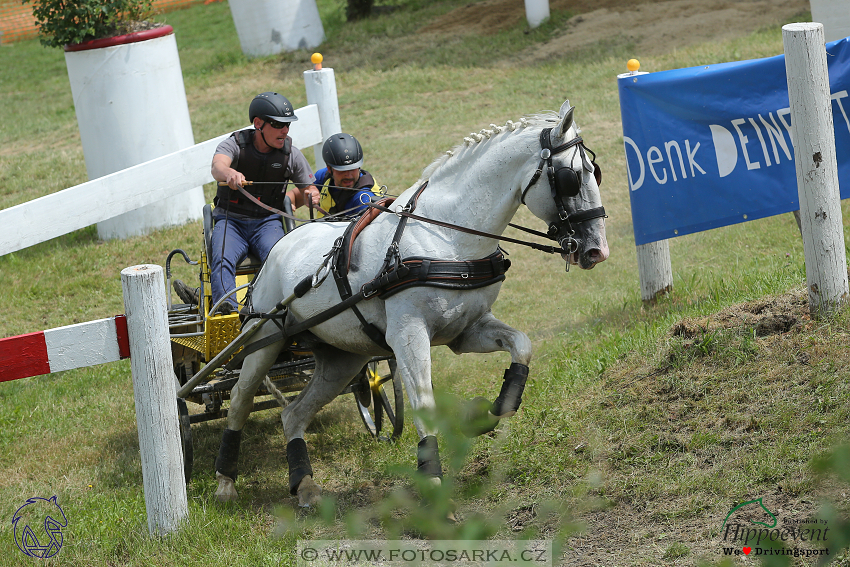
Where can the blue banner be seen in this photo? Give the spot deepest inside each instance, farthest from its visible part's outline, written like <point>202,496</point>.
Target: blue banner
<point>711,146</point>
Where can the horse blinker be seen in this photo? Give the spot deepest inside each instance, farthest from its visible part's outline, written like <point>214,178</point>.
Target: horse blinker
<point>567,182</point>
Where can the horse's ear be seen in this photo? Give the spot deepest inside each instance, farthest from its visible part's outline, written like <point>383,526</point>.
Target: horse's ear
<point>566,114</point>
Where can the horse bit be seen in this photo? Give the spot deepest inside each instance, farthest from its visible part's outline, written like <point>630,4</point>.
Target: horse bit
<point>565,182</point>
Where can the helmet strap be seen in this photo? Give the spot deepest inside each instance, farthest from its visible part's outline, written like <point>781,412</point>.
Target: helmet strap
<point>262,134</point>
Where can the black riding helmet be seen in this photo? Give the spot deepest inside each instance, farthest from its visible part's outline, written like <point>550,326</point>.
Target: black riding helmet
<point>342,152</point>
<point>271,106</point>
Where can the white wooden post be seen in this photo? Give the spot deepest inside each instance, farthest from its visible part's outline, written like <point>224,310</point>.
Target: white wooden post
<point>654,269</point>
<point>817,166</point>
<point>835,17</point>
<point>321,91</point>
<point>536,12</point>
<point>155,394</point>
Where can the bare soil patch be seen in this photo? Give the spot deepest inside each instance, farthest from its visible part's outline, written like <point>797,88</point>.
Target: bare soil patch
<point>655,26</point>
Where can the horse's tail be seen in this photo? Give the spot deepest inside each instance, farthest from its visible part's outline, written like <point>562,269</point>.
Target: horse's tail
<point>278,395</point>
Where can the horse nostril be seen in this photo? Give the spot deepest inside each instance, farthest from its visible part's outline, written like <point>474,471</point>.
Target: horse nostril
<point>595,256</point>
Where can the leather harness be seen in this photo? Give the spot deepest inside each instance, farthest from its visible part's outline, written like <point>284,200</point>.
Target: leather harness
<point>396,274</point>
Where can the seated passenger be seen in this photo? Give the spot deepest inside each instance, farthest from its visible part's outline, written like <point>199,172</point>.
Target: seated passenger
<point>345,187</point>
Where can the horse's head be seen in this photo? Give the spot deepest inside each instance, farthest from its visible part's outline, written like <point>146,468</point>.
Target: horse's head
<point>564,192</point>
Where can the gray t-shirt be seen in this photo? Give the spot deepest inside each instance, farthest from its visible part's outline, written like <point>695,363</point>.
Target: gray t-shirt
<point>299,171</point>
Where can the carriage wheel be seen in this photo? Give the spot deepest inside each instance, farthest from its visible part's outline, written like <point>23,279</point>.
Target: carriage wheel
<point>387,403</point>
<point>185,438</point>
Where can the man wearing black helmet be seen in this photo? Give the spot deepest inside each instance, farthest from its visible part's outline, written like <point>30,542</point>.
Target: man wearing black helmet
<point>262,153</point>
<point>345,187</point>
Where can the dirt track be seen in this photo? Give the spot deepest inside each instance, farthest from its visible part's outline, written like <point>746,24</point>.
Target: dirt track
<point>654,25</point>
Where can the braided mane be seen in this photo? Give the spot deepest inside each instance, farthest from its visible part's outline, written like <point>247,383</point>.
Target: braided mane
<point>542,120</point>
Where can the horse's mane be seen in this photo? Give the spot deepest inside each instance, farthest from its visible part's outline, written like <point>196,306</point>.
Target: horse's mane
<point>542,119</point>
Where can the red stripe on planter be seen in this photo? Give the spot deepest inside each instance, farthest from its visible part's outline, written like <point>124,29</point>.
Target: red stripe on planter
<point>23,356</point>
<point>121,39</point>
<point>123,336</point>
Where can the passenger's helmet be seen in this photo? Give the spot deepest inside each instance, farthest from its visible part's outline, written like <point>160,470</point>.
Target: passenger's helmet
<point>271,106</point>
<point>342,152</point>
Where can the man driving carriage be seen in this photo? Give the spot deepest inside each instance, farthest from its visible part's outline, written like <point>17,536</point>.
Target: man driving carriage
<point>345,187</point>
<point>262,153</point>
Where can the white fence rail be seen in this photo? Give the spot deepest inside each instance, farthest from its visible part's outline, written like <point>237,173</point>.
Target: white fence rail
<point>53,215</point>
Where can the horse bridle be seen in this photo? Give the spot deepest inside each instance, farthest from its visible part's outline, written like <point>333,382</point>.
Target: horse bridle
<point>565,182</point>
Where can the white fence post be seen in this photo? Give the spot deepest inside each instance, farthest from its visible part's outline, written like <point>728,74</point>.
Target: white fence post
<point>155,394</point>
<point>536,12</point>
<point>321,90</point>
<point>654,269</point>
<point>817,166</point>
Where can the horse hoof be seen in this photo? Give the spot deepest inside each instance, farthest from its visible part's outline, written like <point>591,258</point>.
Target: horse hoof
<point>309,493</point>
<point>451,518</point>
<point>226,489</point>
<point>477,418</point>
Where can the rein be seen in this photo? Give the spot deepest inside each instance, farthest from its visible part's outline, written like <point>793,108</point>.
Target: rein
<point>272,209</point>
<point>534,245</point>
<point>561,231</point>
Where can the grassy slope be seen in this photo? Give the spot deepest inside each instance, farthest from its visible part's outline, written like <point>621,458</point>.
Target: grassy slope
<point>667,439</point>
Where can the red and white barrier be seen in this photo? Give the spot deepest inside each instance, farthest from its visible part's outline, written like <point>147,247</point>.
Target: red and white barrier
<point>145,325</point>
<point>64,348</point>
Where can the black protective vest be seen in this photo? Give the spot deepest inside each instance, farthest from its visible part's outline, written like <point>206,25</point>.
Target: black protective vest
<point>328,200</point>
<point>256,166</point>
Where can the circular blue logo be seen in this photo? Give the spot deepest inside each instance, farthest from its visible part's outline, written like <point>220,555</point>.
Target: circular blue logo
<point>39,543</point>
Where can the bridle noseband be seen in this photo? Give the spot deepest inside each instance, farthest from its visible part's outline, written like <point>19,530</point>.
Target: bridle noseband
<point>565,182</point>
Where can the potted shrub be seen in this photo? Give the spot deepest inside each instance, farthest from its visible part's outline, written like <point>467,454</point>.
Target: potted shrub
<point>129,97</point>
<point>62,22</point>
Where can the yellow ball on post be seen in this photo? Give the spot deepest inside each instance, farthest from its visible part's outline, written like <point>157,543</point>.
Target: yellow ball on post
<point>633,65</point>
<point>316,59</point>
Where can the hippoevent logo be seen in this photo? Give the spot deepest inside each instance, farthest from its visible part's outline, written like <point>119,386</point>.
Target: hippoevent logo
<point>750,528</point>
<point>38,527</point>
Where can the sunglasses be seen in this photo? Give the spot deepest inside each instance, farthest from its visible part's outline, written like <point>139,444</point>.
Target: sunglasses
<point>277,125</point>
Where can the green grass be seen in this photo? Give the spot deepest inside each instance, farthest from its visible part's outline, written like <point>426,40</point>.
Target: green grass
<point>624,419</point>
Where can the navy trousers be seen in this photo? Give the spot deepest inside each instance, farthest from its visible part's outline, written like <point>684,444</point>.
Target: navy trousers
<point>232,240</point>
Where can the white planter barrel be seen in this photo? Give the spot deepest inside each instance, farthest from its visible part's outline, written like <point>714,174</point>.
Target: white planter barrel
<point>131,108</point>
<point>266,27</point>
<point>835,17</point>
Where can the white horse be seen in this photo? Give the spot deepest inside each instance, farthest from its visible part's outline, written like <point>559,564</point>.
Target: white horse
<point>541,162</point>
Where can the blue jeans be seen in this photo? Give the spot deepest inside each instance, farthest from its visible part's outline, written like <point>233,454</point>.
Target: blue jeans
<point>232,240</point>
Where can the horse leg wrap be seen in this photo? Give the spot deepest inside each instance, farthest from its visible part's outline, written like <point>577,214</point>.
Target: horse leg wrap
<point>228,453</point>
<point>428,457</point>
<point>299,463</point>
<point>511,395</point>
